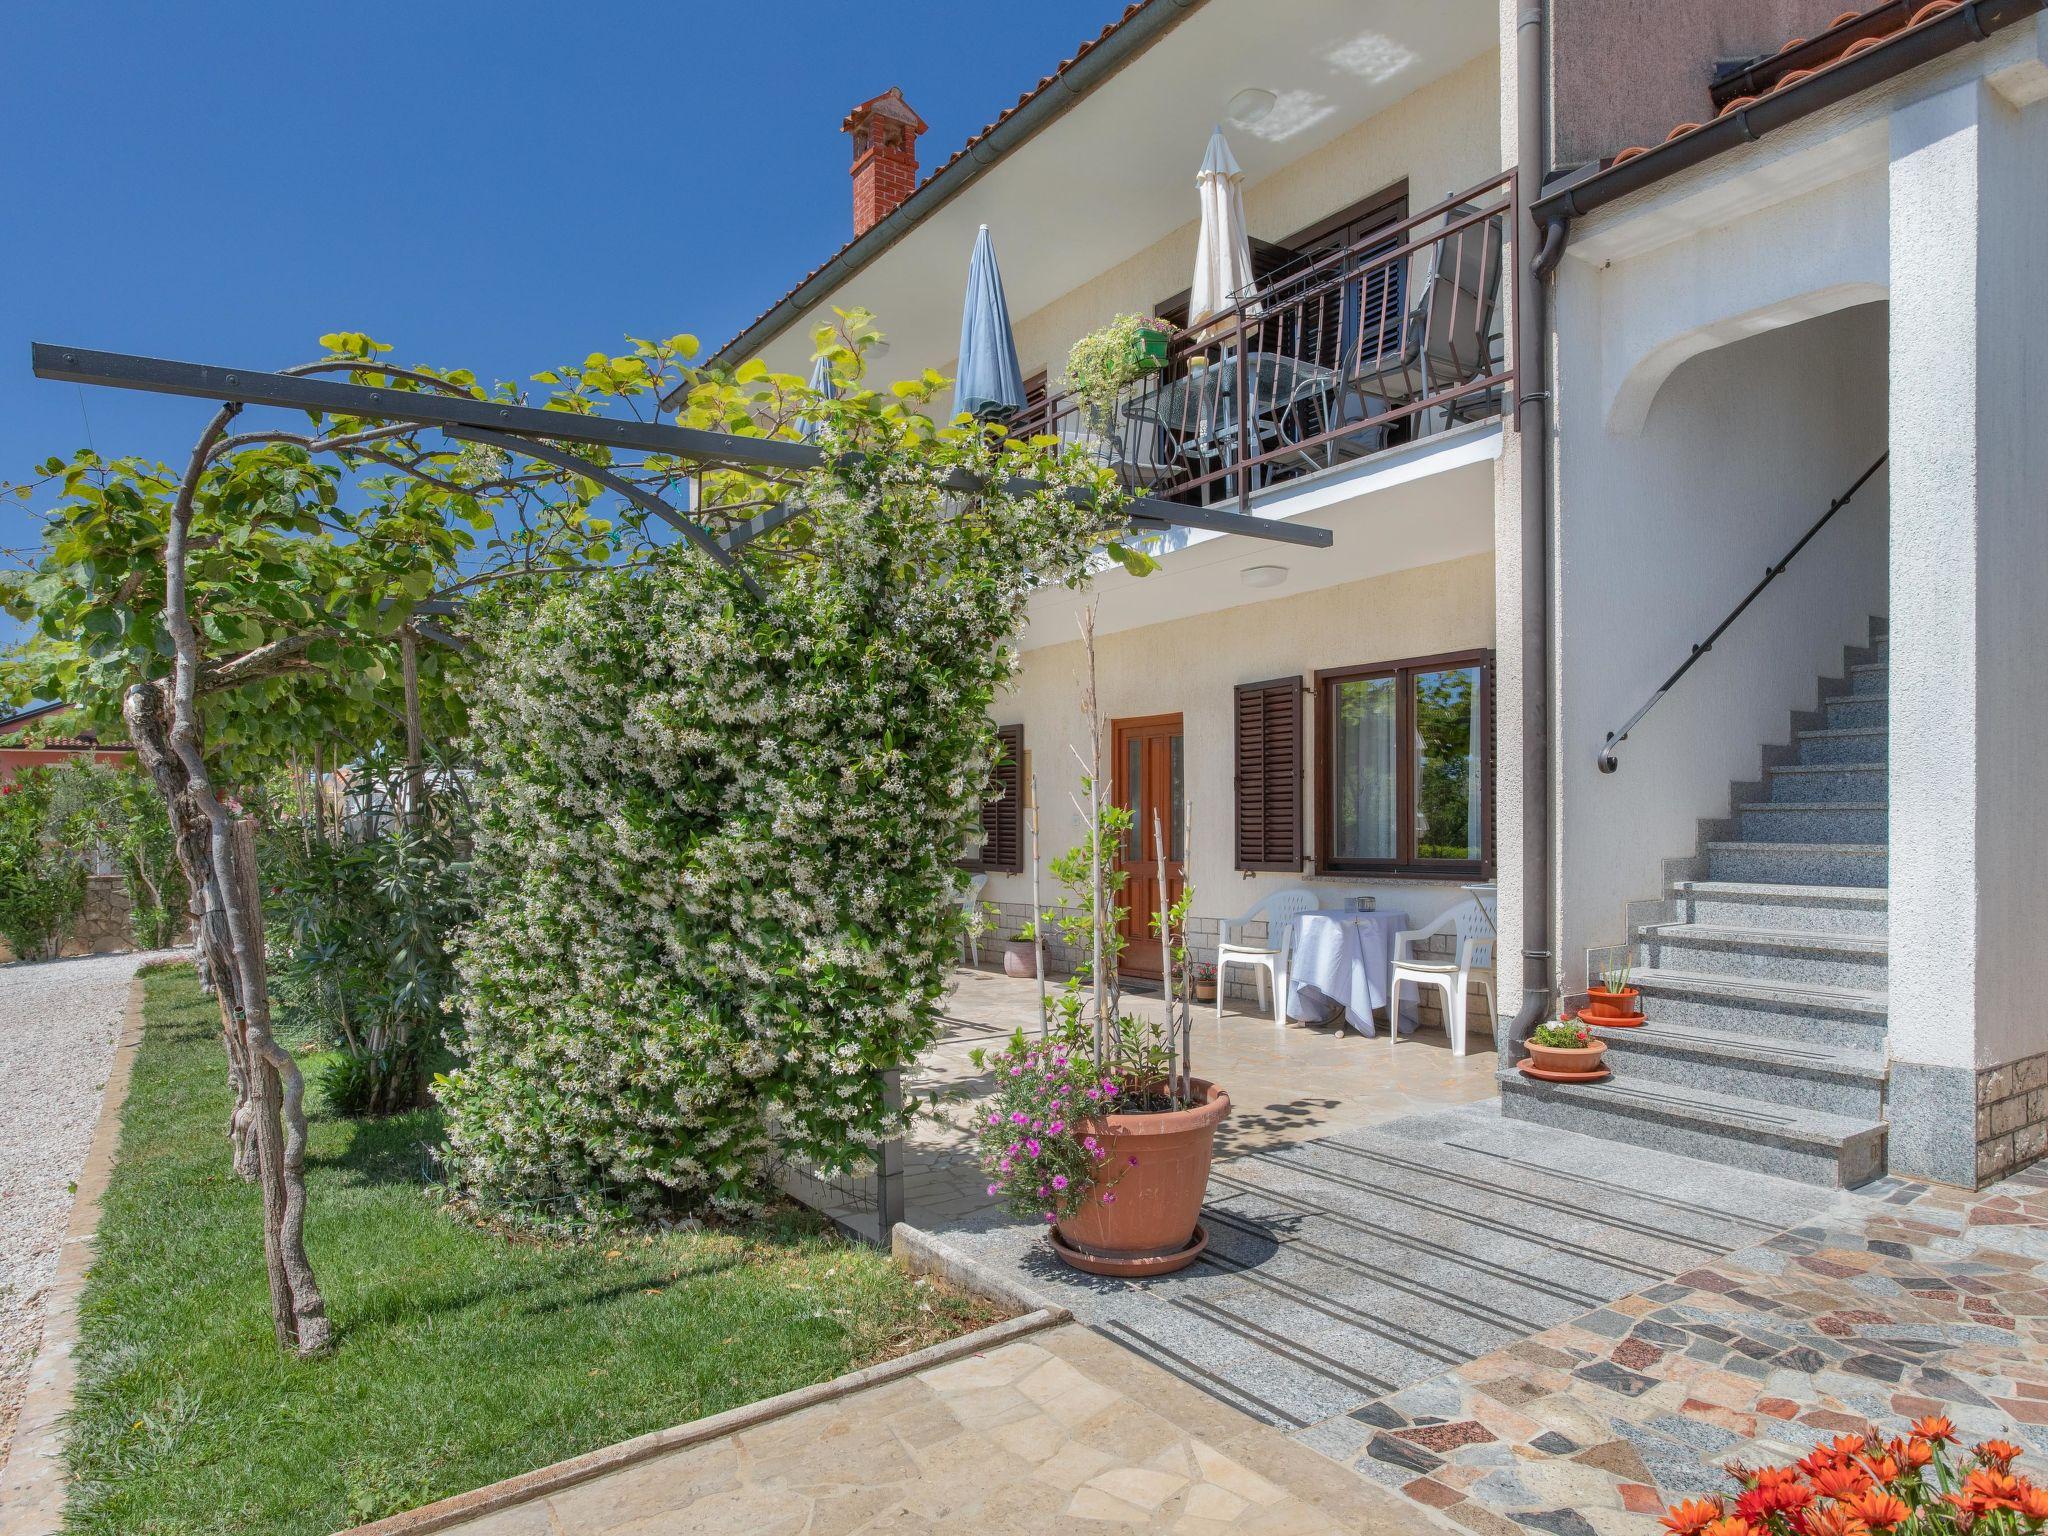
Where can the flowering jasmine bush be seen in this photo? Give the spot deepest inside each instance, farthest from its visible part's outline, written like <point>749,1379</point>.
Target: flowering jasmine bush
<point>1917,1484</point>
<point>718,831</point>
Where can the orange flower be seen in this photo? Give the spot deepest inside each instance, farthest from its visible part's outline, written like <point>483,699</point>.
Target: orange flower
<point>1880,1510</point>
<point>1918,1453</point>
<point>1691,1517</point>
<point>1776,1490</point>
<point>1839,1482</point>
<point>1884,1468</point>
<point>1835,1520</point>
<point>1985,1490</point>
<point>1934,1427</point>
<point>2000,1453</point>
<point>1729,1525</point>
<point>2034,1502</point>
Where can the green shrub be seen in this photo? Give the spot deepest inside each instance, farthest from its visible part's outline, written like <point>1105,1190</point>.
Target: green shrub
<point>42,881</point>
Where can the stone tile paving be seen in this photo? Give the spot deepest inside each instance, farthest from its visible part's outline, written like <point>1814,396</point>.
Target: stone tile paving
<point>1895,1301</point>
<point>1060,1432</point>
<point>1342,1269</point>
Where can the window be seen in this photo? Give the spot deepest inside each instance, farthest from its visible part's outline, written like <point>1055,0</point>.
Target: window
<point>1002,813</point>
<point>1404,767</point>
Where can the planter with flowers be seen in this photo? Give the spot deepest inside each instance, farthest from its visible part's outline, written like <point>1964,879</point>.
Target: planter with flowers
<point>1111,358</point>
<point>1098,1128</point>
<point>1204,985</point>
<point>1565,1051</point>
<point>1920,1483</point>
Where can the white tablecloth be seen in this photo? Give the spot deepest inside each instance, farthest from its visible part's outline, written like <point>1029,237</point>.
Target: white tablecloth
<point>1342,960</point>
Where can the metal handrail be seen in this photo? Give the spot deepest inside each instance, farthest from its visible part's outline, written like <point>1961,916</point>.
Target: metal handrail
<point>1607,760</point>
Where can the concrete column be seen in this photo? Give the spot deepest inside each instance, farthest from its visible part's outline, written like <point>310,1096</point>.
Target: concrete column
<point>1969,636</point>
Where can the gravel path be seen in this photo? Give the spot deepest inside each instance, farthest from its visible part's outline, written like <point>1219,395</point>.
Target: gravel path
<point>58,1024</point>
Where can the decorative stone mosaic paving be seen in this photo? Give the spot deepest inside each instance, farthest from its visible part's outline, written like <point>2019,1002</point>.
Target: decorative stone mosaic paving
<point>1897,1300</point>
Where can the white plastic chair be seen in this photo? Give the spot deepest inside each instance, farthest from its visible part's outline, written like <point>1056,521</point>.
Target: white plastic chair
<point>968,895</point>
<point>1453,977</point>
<point>1270,959</point>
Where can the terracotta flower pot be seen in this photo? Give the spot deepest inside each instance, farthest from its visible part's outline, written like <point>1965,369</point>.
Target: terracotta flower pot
<point>1205,991</point>
<point>1603,1004</point>
<point>1142,1221</point>
<point>1567,1058</point>
<point>1019,958</point>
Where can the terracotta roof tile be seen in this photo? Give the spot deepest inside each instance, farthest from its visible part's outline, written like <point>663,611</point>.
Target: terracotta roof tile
<point>1801,58</point>
<point>962,152</point>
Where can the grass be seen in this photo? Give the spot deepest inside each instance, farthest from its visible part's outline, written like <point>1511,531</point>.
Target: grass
<point>462,1355</point>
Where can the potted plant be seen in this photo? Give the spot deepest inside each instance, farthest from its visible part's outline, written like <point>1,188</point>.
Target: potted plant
<point>1099,1129</point>
<point>1111,358</point>
<point>1020,955</point>
<point>1565,1048</point>
<point>1613,1003</point>
<point>1204,987</point>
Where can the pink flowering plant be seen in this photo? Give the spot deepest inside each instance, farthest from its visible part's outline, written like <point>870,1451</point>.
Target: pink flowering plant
<point>1033,1134</point>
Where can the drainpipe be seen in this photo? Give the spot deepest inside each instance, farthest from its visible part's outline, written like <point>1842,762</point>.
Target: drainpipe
<point>1532,379</point>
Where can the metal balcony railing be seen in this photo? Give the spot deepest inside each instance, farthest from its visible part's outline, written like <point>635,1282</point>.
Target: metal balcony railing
<point>1388,340</point>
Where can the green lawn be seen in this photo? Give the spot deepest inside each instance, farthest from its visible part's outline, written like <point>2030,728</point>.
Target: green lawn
<point>461,1356</point>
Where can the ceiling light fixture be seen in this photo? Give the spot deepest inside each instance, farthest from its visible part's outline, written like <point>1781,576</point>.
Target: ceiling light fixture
<point>1249,105</point>
<point>1263,575</point>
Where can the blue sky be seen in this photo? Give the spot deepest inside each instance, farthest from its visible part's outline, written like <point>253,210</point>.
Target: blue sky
<point>498,187</point>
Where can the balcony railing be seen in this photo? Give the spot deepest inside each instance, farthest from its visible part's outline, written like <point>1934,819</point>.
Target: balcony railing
<point>1343,353</point>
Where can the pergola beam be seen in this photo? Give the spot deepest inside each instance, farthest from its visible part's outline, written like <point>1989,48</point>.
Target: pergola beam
<point>123,370</point>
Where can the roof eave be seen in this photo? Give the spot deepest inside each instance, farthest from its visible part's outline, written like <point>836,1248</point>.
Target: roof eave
<point>1040,109</point>
<point>1944,34</point>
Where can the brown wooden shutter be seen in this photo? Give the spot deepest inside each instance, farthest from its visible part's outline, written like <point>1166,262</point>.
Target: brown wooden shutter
<point>1002,814</point>
<point>1268,731</point>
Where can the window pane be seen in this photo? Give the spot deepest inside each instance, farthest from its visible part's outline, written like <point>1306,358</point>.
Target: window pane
<point>1137,838</point>
<point>1448,792</point>
<point>1362,766</point>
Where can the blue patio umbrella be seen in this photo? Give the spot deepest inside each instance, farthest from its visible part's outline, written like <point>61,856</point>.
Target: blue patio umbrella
<point>822,383</point>
<point>990,384</point>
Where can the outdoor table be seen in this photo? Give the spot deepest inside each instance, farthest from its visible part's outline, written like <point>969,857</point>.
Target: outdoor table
<point>1342,960</point>
<point>1200,406</point>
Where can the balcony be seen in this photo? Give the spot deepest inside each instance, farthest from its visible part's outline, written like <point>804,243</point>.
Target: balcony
<point>1391,339</point>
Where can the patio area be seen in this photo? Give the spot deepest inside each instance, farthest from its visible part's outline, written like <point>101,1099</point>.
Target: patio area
<point>1286,1085</point>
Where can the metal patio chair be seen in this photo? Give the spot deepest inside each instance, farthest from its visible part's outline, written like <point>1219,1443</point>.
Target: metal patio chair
<point>1447,338</point>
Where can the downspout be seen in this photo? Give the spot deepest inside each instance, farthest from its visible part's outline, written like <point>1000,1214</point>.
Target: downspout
<point>1532,377</point>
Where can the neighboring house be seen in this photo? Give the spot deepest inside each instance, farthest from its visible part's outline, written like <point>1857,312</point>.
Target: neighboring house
<point>1768,263</point>
<point>40,736</point>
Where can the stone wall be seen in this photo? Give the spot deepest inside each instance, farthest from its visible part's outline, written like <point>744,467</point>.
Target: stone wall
<point>102,926</point>
<point>2012,1117</point>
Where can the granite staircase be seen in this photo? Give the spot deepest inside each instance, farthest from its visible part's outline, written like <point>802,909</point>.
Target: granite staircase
<point>1763,967</point>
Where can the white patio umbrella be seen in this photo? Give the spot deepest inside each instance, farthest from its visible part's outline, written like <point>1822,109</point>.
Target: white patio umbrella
<point>1223,253</point>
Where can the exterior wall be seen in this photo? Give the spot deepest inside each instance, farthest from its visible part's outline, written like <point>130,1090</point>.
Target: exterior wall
<point>1626,71</point>
<point>1443,138</point>
<point>1657,536</point>
<point>1191,666</point>
<point>1969,713</point>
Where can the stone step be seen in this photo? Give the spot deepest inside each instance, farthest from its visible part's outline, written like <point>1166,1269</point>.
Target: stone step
<point>1843,1018</point>
<point>1851,744</point>
<point>1856,961</point>
<point>1829,783</point>
<point>1837,1082</point>
<point>1846,710</point>
<point>1782,863</point>
<point>1869,677</point>
<point>1776,821</point>
<point>1784,908</point>
<point>1787,1140</point>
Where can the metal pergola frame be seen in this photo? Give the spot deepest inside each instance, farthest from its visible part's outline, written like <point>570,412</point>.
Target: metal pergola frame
<point>532,431</point>
<point>539,434</point>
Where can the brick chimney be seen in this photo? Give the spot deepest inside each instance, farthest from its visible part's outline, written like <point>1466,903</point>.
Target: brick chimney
<point>885,131</point>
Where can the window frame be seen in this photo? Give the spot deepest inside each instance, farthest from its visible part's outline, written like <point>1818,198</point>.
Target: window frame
<point>1405,864</point>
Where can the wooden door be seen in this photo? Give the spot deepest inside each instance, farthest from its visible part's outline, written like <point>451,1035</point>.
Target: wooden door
<point>1149,774</point>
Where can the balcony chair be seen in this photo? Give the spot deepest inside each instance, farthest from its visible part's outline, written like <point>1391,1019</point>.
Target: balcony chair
<point>1472,965</point>
<point>1447,338</point>
<point>967,896</point>
<point>1279,911</point>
